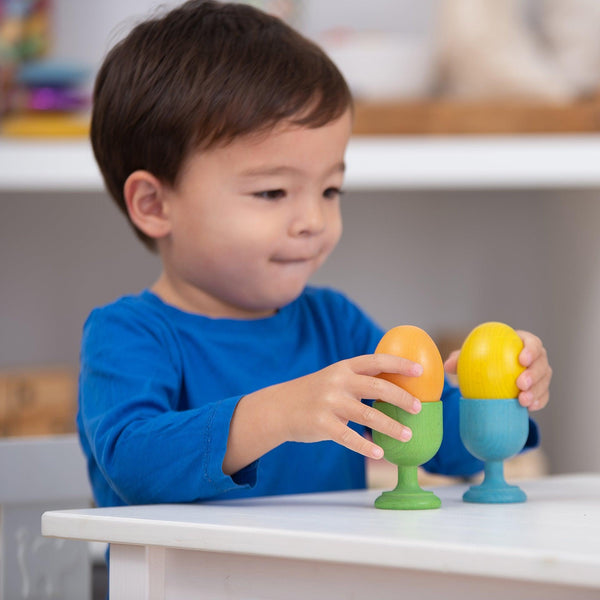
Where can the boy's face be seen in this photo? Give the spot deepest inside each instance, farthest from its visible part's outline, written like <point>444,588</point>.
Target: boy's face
<point>250,222</point>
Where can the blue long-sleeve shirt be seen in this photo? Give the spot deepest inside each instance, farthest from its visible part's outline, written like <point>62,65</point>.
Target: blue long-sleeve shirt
<point>158,388</point>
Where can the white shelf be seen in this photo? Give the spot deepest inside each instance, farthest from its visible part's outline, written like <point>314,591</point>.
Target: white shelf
<point>474,162</point>
<point>42,166</point>
<point>386,163</point>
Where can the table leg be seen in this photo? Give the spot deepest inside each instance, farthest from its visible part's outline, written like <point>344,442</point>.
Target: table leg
<point>137,572</point>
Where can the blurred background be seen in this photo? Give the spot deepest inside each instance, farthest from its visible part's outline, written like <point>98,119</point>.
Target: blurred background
<point>472,187</point>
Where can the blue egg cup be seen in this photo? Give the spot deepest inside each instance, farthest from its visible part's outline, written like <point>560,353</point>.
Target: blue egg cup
<point>493,430</point>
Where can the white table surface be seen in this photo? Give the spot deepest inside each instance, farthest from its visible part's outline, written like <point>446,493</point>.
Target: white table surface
<point>553,538</point>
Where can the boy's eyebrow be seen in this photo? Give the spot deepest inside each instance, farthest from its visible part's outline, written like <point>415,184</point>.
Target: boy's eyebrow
<point>287,170</point>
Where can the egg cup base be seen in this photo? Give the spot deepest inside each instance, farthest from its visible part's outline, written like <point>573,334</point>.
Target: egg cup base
<point>416,500</point>
<point>494,495</point>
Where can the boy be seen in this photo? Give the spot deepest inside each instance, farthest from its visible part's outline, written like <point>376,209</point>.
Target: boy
<point>221,133</point>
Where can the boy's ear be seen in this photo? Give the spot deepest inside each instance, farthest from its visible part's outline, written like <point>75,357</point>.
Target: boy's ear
<point>145,199</point>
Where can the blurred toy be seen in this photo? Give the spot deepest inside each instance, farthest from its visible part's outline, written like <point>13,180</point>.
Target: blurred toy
<point>412,343</point>
<point>520,50</point>
<point>40,97</point>
<point>493,425</point>
<point>487,51</point>
<point>570,32</point>
<point>382,66</point>
<point>288,10</point>
<point>51,102</point>
<point>24,29</point>
<point>24,35</point>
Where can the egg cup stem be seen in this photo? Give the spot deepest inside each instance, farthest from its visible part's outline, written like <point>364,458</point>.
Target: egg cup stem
<point>408,494</point>
<point>408,480</point>
<point>494,489</point>
<point>494,472</point>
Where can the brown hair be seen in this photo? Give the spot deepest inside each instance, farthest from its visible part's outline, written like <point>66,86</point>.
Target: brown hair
<point>201,75</point>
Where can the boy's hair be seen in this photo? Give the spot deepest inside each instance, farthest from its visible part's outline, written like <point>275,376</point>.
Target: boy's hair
<point>202,75</point>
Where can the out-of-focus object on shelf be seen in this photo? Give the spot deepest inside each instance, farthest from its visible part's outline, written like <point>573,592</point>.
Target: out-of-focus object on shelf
<point>40,97</point>
<point>547,51</point>
<point>455,117</point>
<point>290,11</point>
<point>51,101</point>
<point>24,36</point>
<point>34,125</point>
<point>41,401</point>
<point>570,31</point>
<point>381,66</point>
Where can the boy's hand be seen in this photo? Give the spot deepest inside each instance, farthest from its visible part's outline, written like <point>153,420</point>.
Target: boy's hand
<point>319,406</point>
<point>534,381</point>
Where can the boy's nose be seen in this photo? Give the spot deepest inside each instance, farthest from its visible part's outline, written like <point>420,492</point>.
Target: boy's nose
<point>309,219</point>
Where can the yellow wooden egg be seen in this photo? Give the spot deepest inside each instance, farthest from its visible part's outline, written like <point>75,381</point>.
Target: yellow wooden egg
<point>415,344</point>
<point>488,364</point>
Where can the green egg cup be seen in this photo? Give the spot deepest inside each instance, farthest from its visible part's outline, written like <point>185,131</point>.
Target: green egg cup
<point>407,456</point>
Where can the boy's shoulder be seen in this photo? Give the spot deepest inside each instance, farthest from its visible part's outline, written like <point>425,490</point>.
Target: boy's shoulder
<point>139,312</point>
<point>134,324</point>
<point>126,306</point>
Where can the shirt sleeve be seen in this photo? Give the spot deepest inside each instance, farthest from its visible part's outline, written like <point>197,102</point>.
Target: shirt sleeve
<point>137,438</point>
<point>453,458</point>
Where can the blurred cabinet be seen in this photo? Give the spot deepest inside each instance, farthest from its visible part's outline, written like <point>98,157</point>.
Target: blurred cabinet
<point>38,474</point>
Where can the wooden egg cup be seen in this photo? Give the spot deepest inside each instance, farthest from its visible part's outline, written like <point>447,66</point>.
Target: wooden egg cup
<point>493,430</point>
<point>425,442</point>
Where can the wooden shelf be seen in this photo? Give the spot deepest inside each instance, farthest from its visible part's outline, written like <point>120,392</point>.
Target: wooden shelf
<point>459,117</point>
<point>373,162</point>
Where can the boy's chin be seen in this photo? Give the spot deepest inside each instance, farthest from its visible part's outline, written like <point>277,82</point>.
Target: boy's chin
<point>281,300</point>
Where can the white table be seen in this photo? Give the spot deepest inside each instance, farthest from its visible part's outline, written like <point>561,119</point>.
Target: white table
<point>338,546</point>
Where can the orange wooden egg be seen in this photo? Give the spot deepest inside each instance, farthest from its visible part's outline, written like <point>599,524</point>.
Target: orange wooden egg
<point>415,344</point>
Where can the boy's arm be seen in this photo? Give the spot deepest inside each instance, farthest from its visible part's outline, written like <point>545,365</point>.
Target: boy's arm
<point>144,448</point>
<point>141,447</point>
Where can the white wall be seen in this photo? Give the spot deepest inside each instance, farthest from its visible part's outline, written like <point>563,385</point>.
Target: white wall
<point>86,29</point>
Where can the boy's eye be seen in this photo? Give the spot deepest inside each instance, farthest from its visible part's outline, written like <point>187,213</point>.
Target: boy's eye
<point>271,194</point>
<point>332,193</point>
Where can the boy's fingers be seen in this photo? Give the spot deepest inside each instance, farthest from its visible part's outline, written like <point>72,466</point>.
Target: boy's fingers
<point>534,403</point>
<point>352,440</point>
<point>370,417</point>
<point>376,388</point>
<point>539,371</point>
<point>375,364</point>
<point>452,362</point>
<point>533,347</point>
<point>537,395</point>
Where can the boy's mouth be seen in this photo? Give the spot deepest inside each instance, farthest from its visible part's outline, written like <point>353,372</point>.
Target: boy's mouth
<point>286,261</point>
<point>296,260</point>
